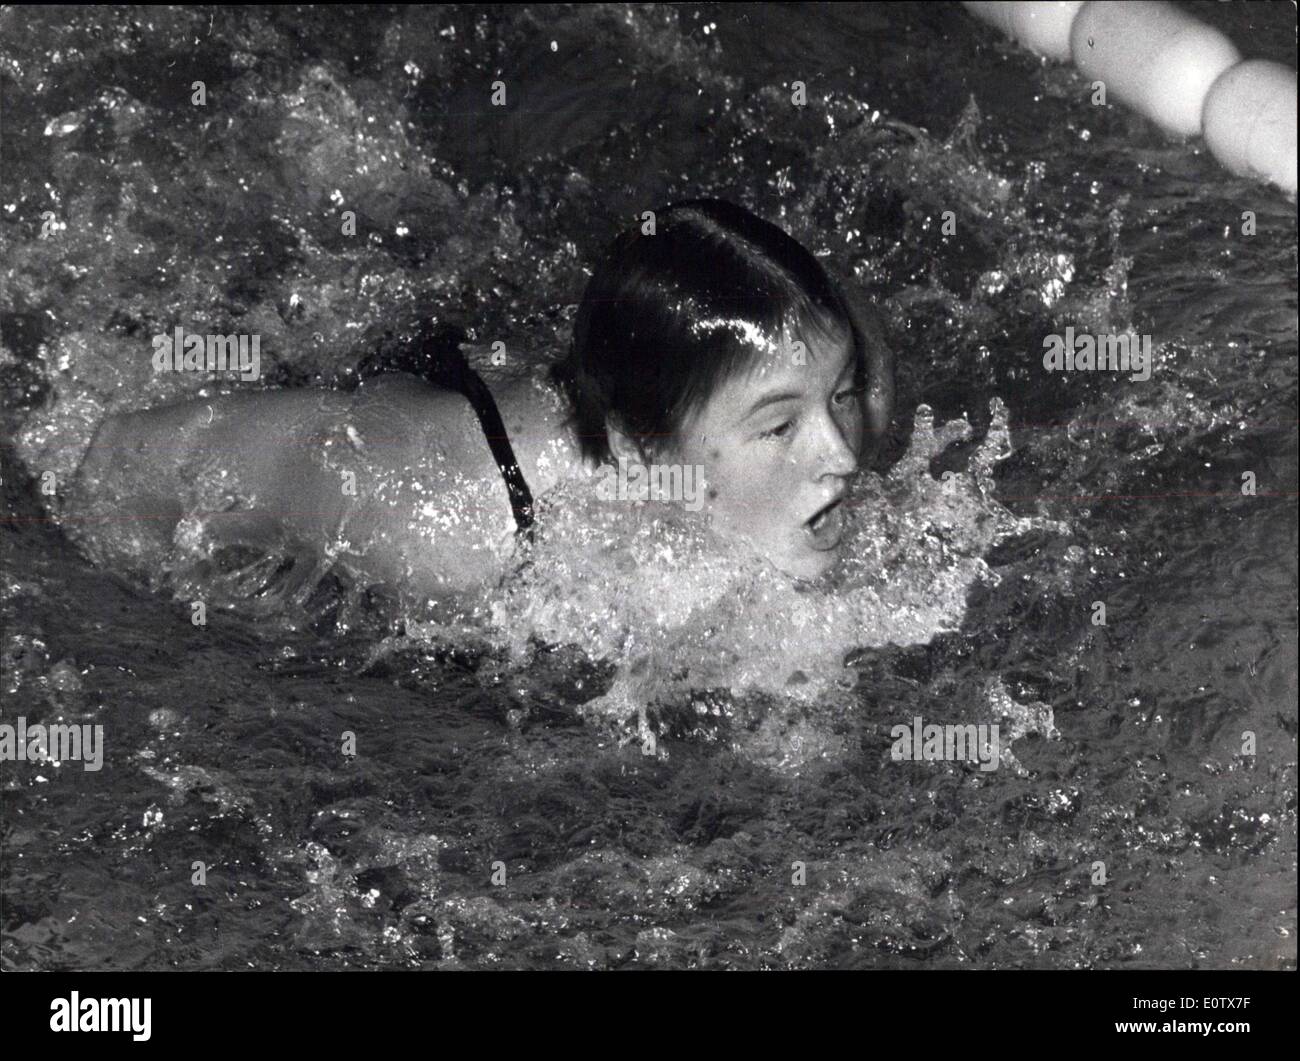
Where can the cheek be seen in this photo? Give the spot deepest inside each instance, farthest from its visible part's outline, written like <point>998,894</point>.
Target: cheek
<point>712,472</point>
<point>748,488</point>
<point>745,484</point>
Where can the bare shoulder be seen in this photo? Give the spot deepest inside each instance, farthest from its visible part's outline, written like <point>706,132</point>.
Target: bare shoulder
<point>401,412</point>
<point>537,417</point>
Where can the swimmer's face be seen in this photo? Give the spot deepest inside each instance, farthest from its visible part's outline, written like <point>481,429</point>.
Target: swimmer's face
<point>778,445</point>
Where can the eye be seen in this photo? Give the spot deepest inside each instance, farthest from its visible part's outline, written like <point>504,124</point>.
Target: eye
<point>843,397</point>
<point>780,431</point>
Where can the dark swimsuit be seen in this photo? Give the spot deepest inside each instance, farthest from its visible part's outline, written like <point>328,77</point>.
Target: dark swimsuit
<point>485,407</point>
<point>435,356</point>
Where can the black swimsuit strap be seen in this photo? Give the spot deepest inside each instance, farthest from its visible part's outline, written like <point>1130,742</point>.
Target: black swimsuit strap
<point>489,417</point>
<point>435,356</point>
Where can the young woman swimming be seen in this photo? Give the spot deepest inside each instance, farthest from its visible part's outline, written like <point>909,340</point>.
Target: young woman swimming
<point>716,342</point>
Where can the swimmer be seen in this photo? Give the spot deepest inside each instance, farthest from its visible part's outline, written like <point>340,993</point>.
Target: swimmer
<point>717,343</point>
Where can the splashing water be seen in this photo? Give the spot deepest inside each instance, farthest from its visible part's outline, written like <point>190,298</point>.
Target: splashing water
<point>682,616</point>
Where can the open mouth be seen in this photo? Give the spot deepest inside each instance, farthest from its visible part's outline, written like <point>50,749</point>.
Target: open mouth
<point>826,525</point>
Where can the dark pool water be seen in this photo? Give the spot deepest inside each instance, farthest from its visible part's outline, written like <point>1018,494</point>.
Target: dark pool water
<point>223,743</point>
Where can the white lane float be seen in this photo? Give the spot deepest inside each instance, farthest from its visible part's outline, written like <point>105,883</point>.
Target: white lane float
<point>1250,121</point>
<point>1184,75</point>
<point>1043,28</point>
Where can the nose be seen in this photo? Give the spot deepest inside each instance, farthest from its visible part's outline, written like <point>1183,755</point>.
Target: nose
<point>834,453</point>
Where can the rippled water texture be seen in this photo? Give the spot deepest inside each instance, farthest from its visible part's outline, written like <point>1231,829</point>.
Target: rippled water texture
<point>502,808</point>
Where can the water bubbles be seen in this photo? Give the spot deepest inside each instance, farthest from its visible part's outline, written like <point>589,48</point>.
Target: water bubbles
<point>63,677</point>
<point>164,718</point>
<point>65,124</point>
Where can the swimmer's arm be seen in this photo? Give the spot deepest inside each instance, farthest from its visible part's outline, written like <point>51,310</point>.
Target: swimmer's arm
<point>254,451</point>
<point>397,469</point>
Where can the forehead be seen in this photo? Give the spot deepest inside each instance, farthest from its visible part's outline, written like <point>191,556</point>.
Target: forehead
<point>806,359</point>
<point>805,354</point>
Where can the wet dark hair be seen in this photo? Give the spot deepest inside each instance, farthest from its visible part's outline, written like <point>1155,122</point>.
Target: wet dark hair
<point>665,318</point>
